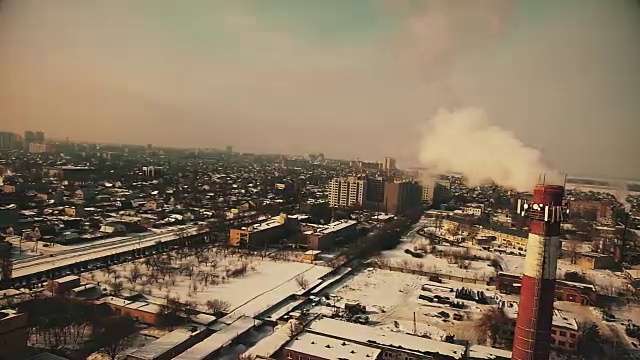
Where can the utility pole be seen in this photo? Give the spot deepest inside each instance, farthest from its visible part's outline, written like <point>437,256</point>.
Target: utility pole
<point>414,323</point>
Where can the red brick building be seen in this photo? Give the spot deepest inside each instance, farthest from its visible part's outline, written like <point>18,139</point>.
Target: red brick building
<point>565,291</point>
<point>63,285</point>
<point>141,311</point>
<point>13,335</point>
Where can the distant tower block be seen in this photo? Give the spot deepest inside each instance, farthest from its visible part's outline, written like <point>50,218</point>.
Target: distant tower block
<point>533,328</point>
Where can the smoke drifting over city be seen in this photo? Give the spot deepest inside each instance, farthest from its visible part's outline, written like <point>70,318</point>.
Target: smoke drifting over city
<point>464,141</point>
<point>350,81</point>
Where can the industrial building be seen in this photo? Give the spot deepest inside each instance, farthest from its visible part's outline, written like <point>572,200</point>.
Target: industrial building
<point>365,340</point>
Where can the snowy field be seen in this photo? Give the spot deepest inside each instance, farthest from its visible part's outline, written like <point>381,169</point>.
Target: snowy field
<point>474,269</point>
<point>391,299</point>
<point>481,269</point>
<point>248,291</point>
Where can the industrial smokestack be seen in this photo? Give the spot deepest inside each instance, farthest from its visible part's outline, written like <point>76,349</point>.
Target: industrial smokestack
<point>535,314</point>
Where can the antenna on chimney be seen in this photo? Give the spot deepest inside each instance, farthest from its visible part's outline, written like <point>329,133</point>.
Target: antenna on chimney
<point>564,184</point>
<point>544,179</point>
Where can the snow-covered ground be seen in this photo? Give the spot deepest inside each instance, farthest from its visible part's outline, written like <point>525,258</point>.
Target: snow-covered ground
<point>264,283</point>
<point>602,279</point>
<point>477,269</point>
<point>391,299</point>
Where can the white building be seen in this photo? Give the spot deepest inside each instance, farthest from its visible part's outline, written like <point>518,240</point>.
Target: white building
<point>473,209</point>
<point>389,164</point>
<point>345,192</point>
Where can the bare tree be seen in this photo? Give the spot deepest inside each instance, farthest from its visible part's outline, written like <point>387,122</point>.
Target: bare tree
<point>573,246</point>
<point>115,335</point>
<point>217,306</point>
<point>490,323</point>
<point>246,357</point>
<point>135,273</point>
<point>117,287</point>
<point>302,281</point>
<point>294,328</point>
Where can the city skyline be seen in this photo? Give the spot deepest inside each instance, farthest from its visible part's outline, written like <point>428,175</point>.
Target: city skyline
<point>352,81</point>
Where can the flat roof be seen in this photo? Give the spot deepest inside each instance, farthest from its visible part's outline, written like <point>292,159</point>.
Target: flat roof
<point>593,254</point>
<point>163,345</point>
<point>478,352</point>
<point>368,335</point>
<point>135,305</point>
<point>67,279</point>
<point>560,319</point>
<point>331,348</point>
<point>270,344</point>
<point>269,224</point>
<point>217,340</point>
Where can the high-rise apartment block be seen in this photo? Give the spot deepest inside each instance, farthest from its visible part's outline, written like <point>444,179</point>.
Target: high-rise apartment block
<point>8,140</point>
<point>346,192</point>
<point>400,196</point>
<point>389,164</point>
<point>379,194</point>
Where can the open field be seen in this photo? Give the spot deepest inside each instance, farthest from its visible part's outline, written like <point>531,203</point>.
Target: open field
<point>478,263</point>
<point>391,299</point>
<point>247,284</point>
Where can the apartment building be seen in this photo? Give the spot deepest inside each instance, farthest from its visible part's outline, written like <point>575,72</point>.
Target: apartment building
<point>389,164</point>
<point>273,229</point>
<point>400,196</point>
<point>347,192</point>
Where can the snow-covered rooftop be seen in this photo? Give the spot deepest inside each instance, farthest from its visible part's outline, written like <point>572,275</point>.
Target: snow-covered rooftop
<point>162,345</point>
<point>331,348</point>
<point>271,343</point>
<point>560,318</point>
<point>216,341</point>
<point>368,335</point>
<point>478,352</point>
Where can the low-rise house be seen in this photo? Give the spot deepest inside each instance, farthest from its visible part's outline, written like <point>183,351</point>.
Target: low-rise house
<point>592,260</point>
<point>86,292</point>
<point>63,285</point>
<point>565,290</point>
<point>564,327</point>
<point>141,311</point>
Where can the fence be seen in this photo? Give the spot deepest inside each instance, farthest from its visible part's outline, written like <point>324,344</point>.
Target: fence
<point>461,279</point>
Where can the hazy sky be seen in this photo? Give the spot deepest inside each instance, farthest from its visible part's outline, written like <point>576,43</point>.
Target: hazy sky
<point>353,78</point>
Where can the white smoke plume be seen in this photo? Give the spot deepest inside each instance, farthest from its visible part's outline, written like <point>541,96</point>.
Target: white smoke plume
<point>464,141</point>
<point>621,194</point>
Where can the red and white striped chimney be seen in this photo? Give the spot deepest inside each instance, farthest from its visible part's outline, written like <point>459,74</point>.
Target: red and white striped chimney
<point>535,311</point>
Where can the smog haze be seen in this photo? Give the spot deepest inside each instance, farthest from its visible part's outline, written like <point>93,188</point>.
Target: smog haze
<point>350,79</point>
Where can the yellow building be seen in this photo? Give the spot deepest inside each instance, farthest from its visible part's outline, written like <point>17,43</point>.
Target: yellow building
<point>259,234</point>
<point>591,260</point>
<point>507,239</point>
